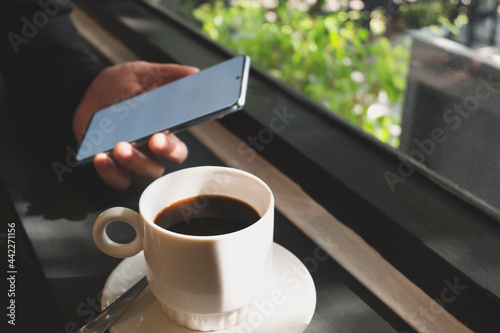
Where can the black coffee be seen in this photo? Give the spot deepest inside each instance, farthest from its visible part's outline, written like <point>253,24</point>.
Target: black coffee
<point>207,215</point>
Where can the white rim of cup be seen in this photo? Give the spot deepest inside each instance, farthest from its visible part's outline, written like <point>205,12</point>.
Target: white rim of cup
<point>268,210</point>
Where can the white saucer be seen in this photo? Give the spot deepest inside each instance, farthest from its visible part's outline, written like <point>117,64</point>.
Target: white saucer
<point>286,305</point>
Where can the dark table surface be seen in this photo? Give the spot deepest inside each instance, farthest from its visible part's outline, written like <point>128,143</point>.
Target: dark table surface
<point>60,273</point>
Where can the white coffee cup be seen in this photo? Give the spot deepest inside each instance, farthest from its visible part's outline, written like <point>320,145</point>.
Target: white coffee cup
<point>202,282</point>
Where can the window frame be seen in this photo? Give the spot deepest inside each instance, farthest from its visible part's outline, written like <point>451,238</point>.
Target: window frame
<point>345,169</point>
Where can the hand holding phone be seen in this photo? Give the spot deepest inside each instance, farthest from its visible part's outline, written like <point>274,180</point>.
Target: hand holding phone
<point>116,82</point>
<point>211,93</point>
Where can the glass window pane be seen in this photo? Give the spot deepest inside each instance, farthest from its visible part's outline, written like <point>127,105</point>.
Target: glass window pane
<point>361,61</point>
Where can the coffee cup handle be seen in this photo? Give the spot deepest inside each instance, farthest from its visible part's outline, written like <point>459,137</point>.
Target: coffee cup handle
<point>108,246</point>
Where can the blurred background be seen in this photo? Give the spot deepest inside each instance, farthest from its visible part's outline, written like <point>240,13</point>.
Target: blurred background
<point>352,56</point>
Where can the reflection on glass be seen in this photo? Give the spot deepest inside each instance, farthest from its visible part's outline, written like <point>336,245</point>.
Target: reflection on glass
<point>451,119</point>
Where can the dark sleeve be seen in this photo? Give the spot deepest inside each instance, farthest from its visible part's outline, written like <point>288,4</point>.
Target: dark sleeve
<point>46,65</point>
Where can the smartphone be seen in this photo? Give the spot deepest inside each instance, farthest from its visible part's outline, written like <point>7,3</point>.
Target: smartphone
<point>208,94</point>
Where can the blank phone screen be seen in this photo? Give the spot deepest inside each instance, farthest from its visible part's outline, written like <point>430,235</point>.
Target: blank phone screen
<point>211,92</point>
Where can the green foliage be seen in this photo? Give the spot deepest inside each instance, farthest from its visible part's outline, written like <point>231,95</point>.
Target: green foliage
<point>332,57</point>
<point>426,14</point>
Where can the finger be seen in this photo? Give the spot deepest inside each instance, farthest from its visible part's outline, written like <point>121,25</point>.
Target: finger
<point>154,75</point>
<point>111,172</point>
<point>136,161</point>
<point>169,147</point>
